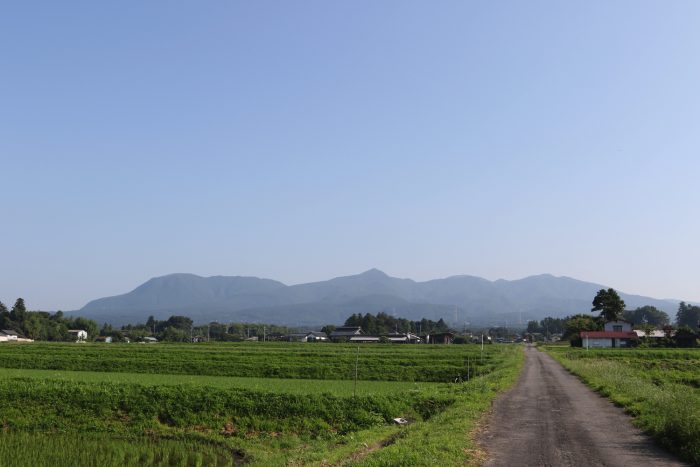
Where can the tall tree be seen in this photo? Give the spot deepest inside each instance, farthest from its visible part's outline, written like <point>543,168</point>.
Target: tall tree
<point>18,312</point>
<point>609,304</point>
<point>688,315</point>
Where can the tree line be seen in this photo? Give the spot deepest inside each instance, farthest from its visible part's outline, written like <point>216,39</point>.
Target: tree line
<point>611,308</point>
<point>42,325</point>
<point>383,323</point>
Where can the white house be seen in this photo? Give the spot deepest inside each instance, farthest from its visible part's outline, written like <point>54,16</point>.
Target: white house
<point>615,334</point>
<point>80,335</point>
<point>8,335</point>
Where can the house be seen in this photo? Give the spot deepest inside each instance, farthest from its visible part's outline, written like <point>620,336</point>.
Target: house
<point>345,333</point>
<point>150,340</point>
<point>7,335</point>
<point>615,334</point>
<point>316,336</point>
<point>105,339</point>
<point>440,338</point>
<point>80,335</point>
<point>309,336</point>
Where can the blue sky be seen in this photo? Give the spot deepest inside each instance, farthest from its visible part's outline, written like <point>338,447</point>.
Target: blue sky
<point>305,140</point>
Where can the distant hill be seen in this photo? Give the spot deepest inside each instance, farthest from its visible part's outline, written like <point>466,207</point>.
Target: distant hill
<point>457,299</point>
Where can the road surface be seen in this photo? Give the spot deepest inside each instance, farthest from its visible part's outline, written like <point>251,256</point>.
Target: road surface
<point>550,418</point>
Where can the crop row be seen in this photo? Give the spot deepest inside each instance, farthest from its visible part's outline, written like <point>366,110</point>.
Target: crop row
<point>309,361</point>
<point>44,450</point>
<point>90,407</point>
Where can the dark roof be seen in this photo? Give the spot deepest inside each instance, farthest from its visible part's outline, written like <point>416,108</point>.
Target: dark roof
<point>317,334</point>
<point>609,334</point>
<point>347,331</point>
<point>10,332</point>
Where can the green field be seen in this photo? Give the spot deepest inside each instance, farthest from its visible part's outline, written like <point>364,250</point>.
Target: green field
<point>269,360</point>
<point>659,387</point>
<point>254,403</point>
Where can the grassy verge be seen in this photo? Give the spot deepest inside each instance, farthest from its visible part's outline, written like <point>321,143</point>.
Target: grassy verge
<point>448,438</point>
<point>668,411</point>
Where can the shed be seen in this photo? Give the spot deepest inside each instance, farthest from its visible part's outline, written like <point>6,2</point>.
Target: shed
<point>440,338</point>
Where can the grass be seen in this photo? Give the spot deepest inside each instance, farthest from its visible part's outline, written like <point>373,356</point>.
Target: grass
<point>291,386</point>
<point>221,414</point>
<point>658,387</point>
<point>262,360</point>
<point>52,450</point>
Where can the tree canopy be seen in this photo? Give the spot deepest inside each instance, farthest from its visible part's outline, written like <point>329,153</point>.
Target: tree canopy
<point>646,315</point>
<point>688,315</point>
<point>609,304</point>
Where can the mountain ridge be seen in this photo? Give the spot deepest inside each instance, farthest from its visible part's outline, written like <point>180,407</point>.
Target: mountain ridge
<point>458,299</point>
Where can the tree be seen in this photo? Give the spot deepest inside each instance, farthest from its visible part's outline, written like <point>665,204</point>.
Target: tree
<point>646,315</point>
<point>18,312</point>
<point>533,327</point>
<point>609,303</point>
<point>577,323</point>
<point>4,316</point>
<point>688,315</point>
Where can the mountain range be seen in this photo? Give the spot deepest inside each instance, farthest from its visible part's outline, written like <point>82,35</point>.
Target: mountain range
<point>459,300</point>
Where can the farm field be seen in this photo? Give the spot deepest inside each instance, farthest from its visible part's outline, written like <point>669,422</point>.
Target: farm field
<point>253,403</point>
<point>659,387</point>
<point>280,385</point>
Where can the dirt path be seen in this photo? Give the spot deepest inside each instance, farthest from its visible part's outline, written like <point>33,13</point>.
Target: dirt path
<point>550,418</point>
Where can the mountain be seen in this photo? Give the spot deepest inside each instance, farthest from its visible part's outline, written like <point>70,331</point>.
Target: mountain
<point>457,299</point>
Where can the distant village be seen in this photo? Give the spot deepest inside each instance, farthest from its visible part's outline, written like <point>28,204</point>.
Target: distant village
<point>614,327</point>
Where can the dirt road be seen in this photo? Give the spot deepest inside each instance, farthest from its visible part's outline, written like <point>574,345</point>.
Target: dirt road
<point>550,418</point>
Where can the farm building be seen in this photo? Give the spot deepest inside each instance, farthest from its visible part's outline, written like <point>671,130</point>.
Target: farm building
<point>364,339</point>
<point>80,335</point>
<point>655,334</point>
<point>345,332</point>
<point>615,334</point>
<point>8,335</point>
<point>150,340</point>
<point>407,338</point>
<point>440,338</point>
<point>310,336</point>
<point>105,339</point>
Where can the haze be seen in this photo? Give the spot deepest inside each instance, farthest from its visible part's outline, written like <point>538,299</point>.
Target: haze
<point>304,140</point>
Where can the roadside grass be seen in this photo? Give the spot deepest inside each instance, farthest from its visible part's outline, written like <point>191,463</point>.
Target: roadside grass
<point>449,437</point>
<point>667,410</point>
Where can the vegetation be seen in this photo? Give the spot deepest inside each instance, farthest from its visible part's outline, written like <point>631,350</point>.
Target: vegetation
<point>646,315</point>
<point>688,315</point>
<point>262,360</point>
<point>659,387</point>
<point>41,325</point>
<point>609,304</point>
<point>383,323</point>
<point>188,404</point>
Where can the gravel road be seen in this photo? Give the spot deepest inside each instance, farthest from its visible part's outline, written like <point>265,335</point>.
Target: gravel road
<point>550,418</point>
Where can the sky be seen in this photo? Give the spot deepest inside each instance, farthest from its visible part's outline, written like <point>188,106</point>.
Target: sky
<point>305,140</point>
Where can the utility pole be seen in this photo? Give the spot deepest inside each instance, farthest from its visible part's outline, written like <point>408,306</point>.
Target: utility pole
<point>357,362</point>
